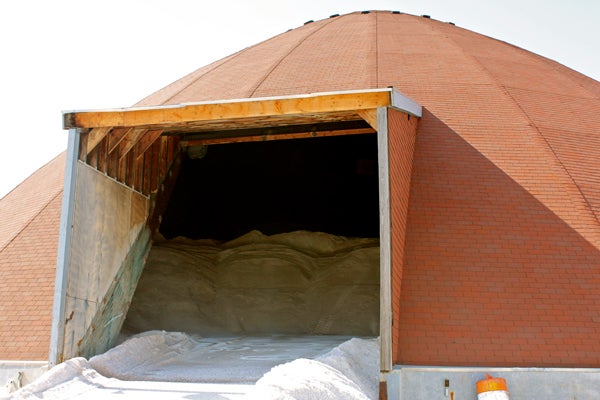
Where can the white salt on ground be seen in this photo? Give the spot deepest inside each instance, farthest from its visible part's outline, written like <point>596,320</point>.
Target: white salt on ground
<point>188,367</point>
<point>305,286</point>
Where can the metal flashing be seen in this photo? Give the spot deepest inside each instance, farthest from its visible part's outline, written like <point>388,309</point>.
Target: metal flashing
<point>64,246</point>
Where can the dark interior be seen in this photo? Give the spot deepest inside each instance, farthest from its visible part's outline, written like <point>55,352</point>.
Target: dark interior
<point>322,184</point>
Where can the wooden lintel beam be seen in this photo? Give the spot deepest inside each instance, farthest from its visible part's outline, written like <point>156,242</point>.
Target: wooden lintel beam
<point>233,109</point>
<point>278,130</point>
<point>265,138</point>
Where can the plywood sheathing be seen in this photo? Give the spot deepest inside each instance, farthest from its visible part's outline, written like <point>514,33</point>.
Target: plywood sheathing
<point>107,221</point>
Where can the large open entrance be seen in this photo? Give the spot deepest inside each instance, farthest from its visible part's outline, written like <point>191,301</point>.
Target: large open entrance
<point>245,229</point>
<point>276,237</point>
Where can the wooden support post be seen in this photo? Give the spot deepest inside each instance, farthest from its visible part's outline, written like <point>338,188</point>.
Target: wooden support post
<point>385,284</point>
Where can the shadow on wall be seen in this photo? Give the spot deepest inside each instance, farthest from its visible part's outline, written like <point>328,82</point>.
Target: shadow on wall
<point>491,275</point>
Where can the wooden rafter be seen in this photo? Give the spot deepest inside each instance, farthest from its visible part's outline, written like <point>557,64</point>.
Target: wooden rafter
<point>115,138</point>
<point>95,136</point>
<point>146,140</point>
<point>138,146</point>
<point>129,140</point>
<point>370,116</point>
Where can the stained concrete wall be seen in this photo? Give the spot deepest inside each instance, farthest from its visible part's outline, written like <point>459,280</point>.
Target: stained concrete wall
<point>14,374</point>
<point>427,383</point>
<point>109,243</point>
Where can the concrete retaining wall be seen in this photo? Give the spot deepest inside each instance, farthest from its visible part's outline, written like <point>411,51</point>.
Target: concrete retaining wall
<point>427,383</point>
<point>14,374</point>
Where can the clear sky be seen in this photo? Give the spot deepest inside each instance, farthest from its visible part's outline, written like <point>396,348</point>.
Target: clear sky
<point>85,54</point>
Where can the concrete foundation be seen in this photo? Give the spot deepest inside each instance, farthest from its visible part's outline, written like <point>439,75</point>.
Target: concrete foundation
<point>428,383</point>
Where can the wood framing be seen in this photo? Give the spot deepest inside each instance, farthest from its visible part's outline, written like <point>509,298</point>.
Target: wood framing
<point>121,143</point>
<point>138,148</point>
<point>385,252</point>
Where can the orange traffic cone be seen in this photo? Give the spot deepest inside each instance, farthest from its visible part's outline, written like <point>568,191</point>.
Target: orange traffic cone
<point>492,389</point>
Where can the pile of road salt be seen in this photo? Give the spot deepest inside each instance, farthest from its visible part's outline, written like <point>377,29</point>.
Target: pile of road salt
<point>170,365</point>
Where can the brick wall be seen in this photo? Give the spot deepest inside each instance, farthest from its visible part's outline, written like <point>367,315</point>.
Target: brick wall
<point>401,144</point>
<point>491,276</point>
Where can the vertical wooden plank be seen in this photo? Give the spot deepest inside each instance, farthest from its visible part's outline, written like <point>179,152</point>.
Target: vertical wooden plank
<point>102,153</point>
<point>139,173</point>
<point>385,285</point>
<point>92,159</point>
<point>147,172</point>
<point>172,149</point>
<point>81,151</point>
<point>112,165</point>
<point>131,170</point>
<point>163,157</point>
<point>155,167</point>
<point>122,170</point>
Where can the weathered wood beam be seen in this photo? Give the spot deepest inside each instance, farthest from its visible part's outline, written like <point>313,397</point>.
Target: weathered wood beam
<point>278,130</point>
<point>81,150</point>
<point>146,140</point>
<point>131,138</point>
<point>163,159</point>
<point>115,138</point>
<point>139,174</point>
<point>232,109</point>
<point>370,116</point>
<point>266,138</point>
<point>147,173</point>
<point>131,171</point>
<point>95,137</point>
<point>102,154</point>
<point>122,169</point>
<point>155,167</point>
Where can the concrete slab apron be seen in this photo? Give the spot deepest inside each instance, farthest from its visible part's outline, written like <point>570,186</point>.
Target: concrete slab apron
<point>427,383</point>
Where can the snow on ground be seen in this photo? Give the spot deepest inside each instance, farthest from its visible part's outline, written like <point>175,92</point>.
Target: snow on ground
<point>170,365</point>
